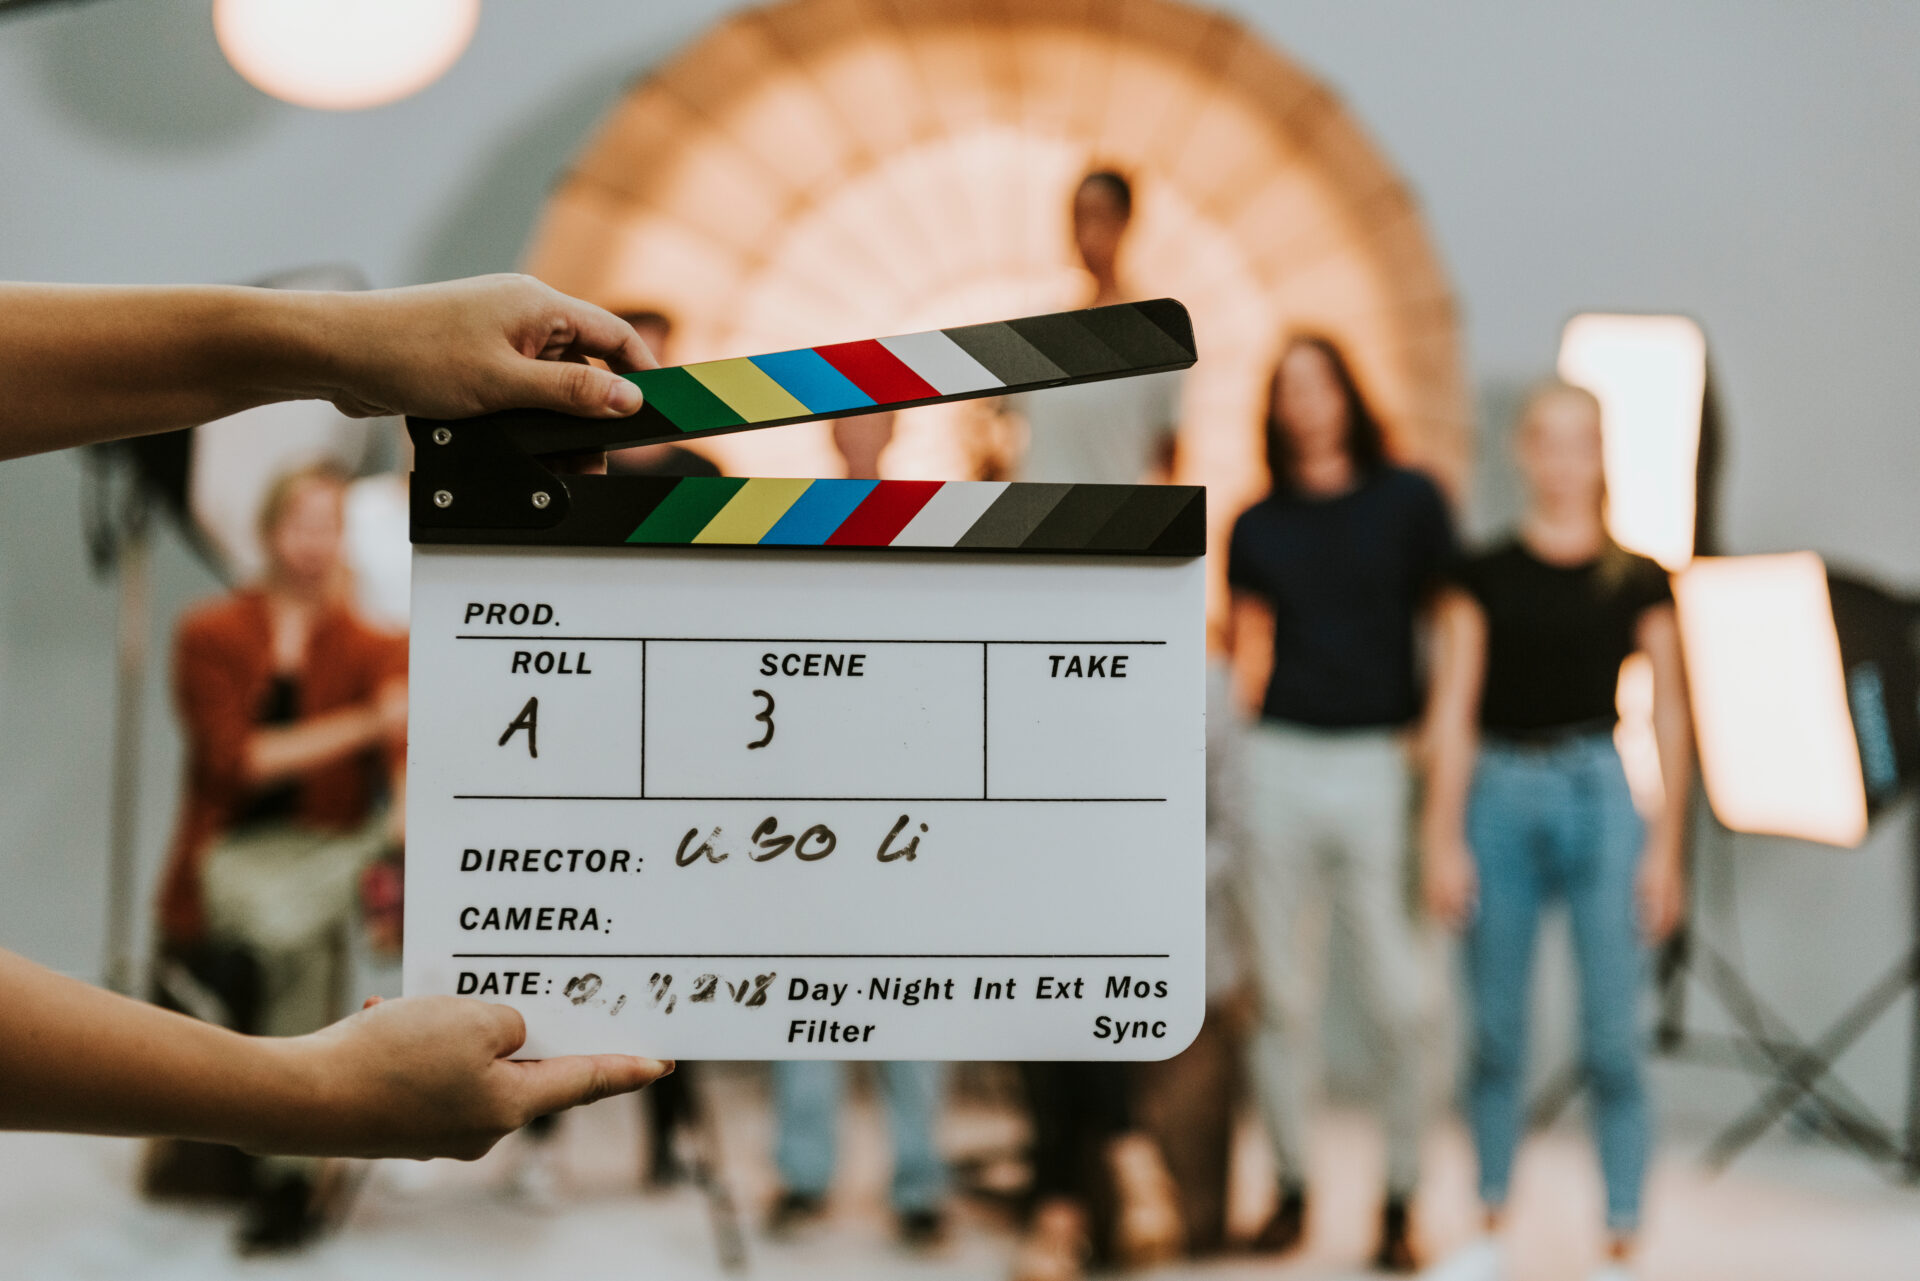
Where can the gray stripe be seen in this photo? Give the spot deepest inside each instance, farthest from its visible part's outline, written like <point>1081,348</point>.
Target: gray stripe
<point>1013,516</point>
<point>1012,359</point>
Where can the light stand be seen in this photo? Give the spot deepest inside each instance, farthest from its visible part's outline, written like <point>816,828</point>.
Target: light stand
<point>1881,667</point>
<point>119,518</point>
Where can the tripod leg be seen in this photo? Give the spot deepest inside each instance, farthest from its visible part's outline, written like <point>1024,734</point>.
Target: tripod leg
<point>1910,1158</point>
<point>1802,1067</point>
<point>130,652</point>
<point>1670,978</point>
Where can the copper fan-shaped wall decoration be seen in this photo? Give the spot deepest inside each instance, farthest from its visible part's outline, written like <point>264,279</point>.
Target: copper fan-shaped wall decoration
<point>822,170</point>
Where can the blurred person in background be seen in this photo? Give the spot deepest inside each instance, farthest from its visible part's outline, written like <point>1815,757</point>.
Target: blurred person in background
<point>1101,1190</point>
<point>1130,1161</point>
<point>1188,1104</point>
<point>1527,802</point>
<point>1101,1193</point>
<point>1100,432</point>
<point>993,440</point>
<point>806,1094</point>
<point>860,440</point>
<point>656,331</point>
<point>1330,576</point>
<point>294,710</point>
<point>806,1107</point>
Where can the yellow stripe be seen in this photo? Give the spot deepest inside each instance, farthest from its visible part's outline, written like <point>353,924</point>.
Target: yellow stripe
<point>747,390</point>
<point>750,513</point>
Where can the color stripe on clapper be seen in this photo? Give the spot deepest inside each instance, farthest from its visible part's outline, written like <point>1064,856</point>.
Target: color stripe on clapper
<point>962,515</point>
<point>965,360</point>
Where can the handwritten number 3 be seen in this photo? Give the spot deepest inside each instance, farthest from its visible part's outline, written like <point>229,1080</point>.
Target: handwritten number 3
<point>766,718</point>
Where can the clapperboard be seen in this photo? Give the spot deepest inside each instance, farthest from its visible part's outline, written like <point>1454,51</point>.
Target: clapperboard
<point>775,768</point>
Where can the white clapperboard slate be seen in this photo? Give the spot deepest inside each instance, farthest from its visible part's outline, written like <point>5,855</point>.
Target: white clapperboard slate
<point>786,769</point>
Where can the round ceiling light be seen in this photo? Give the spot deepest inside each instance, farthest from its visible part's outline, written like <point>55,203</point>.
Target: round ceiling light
<point>341,55</point>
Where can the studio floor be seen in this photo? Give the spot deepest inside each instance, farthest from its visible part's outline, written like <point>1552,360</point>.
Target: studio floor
<point>1788,1212</point>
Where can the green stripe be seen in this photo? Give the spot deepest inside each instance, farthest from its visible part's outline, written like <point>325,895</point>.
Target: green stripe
<point>684,399</point>
<point>686,510</point>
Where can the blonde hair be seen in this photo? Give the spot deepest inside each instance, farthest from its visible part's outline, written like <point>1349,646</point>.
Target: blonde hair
<point>1616,562</point>
<point>273,507</point>
<point>1551,389</point>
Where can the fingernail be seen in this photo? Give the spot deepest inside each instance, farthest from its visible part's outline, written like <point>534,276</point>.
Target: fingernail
<point>666,1066</point>
<point>622,396</point>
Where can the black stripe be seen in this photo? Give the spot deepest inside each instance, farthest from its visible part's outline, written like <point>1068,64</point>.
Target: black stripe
<point>1171,319</point>
<point>1077,518</point>
<point>1069,344</point>
<point>1186,533</point>
<point>1133,336</point>
<point>1143,517</point>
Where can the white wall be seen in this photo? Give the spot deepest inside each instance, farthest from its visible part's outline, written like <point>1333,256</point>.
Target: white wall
<point>1757,166</point>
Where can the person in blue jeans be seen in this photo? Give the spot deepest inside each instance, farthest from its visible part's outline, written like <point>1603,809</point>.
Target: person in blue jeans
<point>1527,802</point>
<point>806,1105</point>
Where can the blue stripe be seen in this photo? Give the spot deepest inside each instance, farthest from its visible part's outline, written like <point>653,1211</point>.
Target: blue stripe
<point>823,508</point>
<point>812,381</point>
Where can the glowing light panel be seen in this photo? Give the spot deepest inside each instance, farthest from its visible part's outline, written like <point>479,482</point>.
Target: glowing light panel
<point>1777,749</point>
<point>1650,373</point>
<point>341,55</point>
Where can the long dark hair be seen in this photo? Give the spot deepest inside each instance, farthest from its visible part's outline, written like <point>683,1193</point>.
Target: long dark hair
<point>1366,439</point>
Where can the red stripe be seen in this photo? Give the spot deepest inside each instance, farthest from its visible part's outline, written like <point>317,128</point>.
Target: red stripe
<point>884,513</point>
<point>877,371</point>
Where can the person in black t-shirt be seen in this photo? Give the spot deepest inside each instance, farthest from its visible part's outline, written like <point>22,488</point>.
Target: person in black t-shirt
<point>1330,575</point>
<point>1527,800</point>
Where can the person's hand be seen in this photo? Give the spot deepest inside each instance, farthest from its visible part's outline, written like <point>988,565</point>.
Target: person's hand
<point>1660,888</point>
<point>1448,882</point>
<point>429,1076</point>
<point>474,346</point>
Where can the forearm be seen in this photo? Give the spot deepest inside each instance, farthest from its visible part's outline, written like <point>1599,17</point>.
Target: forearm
<point>89,363</point>
<point>1250,650</point>
<point>1659,638</point>
<point>1673,736</point>
<point>76,1058</point>
<point>273,755</point>
<point>1443,813</point>
<point>1451,734</point>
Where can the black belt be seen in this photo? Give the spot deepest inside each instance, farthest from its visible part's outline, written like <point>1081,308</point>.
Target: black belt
<point>1538,738</point>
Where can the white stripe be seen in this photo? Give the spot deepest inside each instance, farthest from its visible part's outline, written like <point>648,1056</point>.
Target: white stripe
<point>949,513</point>
<point>940,360</point>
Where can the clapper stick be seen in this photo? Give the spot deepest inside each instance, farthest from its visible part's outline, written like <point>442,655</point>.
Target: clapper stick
<point>479,480</point>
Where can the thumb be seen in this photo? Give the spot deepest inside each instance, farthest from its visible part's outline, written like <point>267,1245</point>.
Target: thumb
<point>552,1085</point>
<point>571,388</point>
